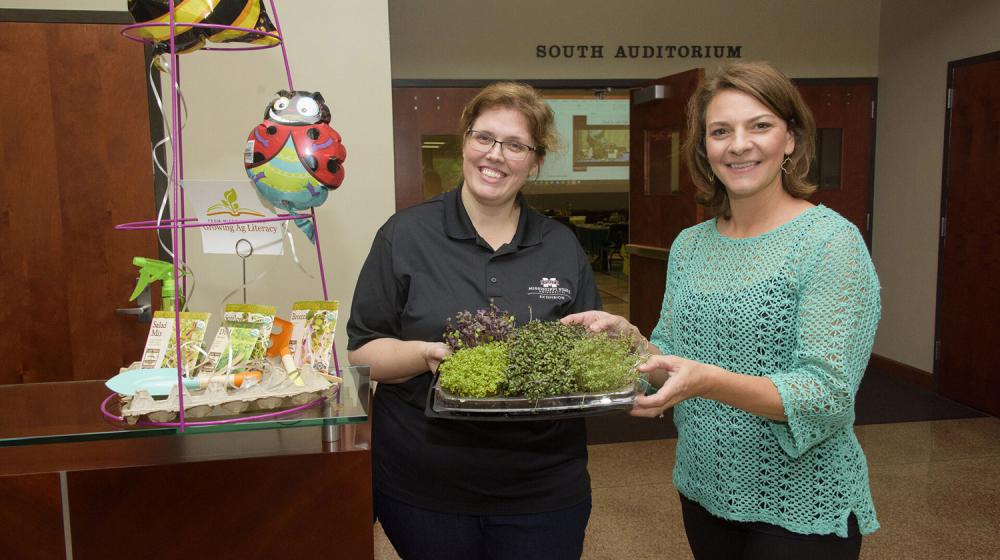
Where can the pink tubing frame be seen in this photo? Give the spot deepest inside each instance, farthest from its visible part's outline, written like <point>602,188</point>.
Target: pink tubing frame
<point>109,416</point>
<point>180,222</point>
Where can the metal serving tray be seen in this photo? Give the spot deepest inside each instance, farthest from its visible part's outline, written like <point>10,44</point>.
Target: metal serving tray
<point>442,404</point>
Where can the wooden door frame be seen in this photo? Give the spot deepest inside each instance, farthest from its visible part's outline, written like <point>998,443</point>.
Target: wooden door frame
<point>946,150</point>
<point>657,216</point>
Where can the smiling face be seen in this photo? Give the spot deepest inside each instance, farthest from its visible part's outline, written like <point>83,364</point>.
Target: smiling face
<point>491,178</point>
<point>745,143</point>
<point>298,108</point>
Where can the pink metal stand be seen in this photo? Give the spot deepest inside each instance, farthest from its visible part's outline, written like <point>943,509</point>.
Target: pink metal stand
<point>179,222</point>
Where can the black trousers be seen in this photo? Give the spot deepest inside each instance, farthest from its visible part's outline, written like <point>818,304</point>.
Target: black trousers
<point>713,538</point>
<point>420,534</point>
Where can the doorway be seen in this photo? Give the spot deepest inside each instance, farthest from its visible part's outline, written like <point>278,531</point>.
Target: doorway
<point>969,247</point>
<point>844,110</point>
<point>661,193</point>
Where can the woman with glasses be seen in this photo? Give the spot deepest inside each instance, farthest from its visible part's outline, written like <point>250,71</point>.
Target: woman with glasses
<point>766,328</point>
<point>446,488</point>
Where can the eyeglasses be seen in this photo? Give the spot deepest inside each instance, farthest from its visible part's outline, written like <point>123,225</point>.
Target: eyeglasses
<point>483,142</point>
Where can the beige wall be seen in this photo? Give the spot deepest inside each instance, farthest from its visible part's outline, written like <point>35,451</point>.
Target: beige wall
<point>917,40</point>
<point>338,48</point>
<point>452,39</point>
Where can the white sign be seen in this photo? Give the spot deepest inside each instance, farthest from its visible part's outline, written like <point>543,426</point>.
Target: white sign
<point>225,202</point>
<point>579,122</point>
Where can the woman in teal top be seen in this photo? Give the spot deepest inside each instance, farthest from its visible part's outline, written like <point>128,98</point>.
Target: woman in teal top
<point>766,329</point>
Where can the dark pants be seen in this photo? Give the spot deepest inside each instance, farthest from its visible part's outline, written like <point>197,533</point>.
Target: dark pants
<point>713,538</point>
<point>418,533</point>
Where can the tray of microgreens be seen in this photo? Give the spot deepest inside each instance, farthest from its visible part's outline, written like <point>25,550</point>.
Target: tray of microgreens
<point>540,369</point>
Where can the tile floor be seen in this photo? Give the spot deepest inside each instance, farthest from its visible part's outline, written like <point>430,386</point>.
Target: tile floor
<point>936,487</point>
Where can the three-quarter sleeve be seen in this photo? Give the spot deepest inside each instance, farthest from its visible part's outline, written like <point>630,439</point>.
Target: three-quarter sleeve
<point>379,297</point>
<point>838,312</point>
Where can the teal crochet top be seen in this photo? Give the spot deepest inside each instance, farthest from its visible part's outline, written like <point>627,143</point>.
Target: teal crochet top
<point>799,305</point>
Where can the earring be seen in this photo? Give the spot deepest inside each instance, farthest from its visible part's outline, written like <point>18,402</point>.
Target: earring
<point>787,161</point>
<point>711,177</point>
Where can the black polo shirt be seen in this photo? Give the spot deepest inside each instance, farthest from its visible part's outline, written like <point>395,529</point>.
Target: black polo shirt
<point>427,263</point>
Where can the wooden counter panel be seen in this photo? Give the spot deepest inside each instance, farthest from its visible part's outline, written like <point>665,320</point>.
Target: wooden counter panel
<point>31,510</point>
<point>268,507</point>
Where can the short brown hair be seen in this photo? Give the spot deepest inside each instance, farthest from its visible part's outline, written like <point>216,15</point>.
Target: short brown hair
<point>770,86</point>
<point>519,97</point>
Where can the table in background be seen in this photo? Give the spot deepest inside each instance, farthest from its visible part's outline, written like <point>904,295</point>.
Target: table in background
<point>601,241</point>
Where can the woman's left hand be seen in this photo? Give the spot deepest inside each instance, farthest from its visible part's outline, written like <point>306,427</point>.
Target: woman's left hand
<point>600,321</point>
<point>682,379</point>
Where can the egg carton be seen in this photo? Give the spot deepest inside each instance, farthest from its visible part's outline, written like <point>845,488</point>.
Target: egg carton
<point>275,391</point>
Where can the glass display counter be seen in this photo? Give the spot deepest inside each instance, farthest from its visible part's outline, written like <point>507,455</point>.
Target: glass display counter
<point>305,479</point>
<point>70,411</point>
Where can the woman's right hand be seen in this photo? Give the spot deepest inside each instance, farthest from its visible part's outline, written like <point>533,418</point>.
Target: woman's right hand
<point>397,361</point>
<point>433,353</point>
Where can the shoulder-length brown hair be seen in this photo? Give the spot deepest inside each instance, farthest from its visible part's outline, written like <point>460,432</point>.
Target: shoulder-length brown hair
<point>770,86</point>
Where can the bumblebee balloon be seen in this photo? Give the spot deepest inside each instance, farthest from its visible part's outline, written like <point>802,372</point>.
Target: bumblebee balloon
<point>294,157</point>
<point>246,14</point>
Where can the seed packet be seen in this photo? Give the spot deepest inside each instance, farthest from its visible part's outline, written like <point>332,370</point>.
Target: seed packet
<point>161,348</point>
<point>260,315</point>
<point>314,324</point>
<point>234,348</point>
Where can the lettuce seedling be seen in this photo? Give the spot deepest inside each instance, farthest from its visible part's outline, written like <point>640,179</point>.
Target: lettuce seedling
<point>601,362</point>
<point>539,360</point>
<point>475,372</point>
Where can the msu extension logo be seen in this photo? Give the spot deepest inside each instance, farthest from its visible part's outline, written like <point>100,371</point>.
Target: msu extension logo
<point>549,288</point>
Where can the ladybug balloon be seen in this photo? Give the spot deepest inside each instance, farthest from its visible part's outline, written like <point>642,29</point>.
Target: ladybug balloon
<point>294,157</point>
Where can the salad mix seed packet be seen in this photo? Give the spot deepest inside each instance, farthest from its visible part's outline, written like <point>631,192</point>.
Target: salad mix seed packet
<point>161,346</point>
